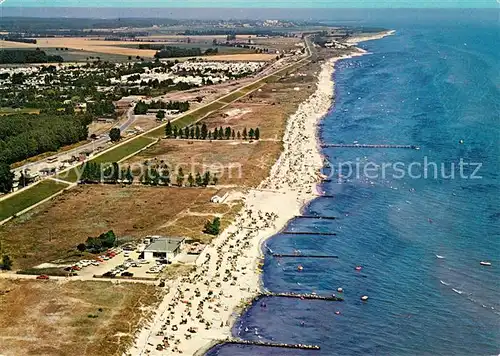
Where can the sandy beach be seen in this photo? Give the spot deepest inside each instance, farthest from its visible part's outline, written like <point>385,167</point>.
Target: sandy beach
<point>199,310</point>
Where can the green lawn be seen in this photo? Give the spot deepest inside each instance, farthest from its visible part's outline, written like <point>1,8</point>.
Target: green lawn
<point>233,96</point>
<point>30,196</point>
<point>124,150</point>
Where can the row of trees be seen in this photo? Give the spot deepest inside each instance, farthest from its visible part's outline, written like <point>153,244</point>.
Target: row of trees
<point>157,176</point>
<point>202,133</point>
<point>142,108</point>
<point>154,175</point>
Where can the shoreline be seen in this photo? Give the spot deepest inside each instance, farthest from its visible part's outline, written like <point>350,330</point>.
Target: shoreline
<point>206,304</point>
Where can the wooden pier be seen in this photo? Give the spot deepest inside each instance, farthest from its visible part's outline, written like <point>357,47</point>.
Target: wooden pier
<point>315,217</point>
<point>332,298</point>
<point>309,233</point>
<point>357,145</point>
<point>271,344</point>
<point>302,255</point>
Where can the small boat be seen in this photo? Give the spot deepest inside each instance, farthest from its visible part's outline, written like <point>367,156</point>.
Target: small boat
<point>439,256</point>
<point>364,298</point>
<point>340,290</point>
<point>300,268</point>
<point>358,268</point>
<point>485,263</point>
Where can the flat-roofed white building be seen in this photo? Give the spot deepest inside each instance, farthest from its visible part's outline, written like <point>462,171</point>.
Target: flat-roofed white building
<point>163,247</point>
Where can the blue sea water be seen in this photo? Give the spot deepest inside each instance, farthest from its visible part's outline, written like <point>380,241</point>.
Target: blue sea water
<point>430,85</point>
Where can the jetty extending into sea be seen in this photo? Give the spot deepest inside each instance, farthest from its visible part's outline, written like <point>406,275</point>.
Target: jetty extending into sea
<point>271,344</point>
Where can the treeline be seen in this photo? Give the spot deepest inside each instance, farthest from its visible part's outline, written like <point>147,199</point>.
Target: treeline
<point>142,108</point>
<point>202,133</point>
<point>24,135</point>
<point>172,52</point>
<point>15,56</point>
<point>19,39</point>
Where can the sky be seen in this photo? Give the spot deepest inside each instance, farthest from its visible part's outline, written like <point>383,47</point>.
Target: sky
<point>256,3</point>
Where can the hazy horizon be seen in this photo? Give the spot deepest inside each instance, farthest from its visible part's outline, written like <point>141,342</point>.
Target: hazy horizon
<point>343,15</point>
<point>339,4</point>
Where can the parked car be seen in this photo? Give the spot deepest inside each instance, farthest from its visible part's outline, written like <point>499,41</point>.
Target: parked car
<point>127,274</point>
<point>42,276</point>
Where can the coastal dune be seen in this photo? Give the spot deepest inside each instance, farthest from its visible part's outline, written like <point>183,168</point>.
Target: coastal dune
<point>199,310</point>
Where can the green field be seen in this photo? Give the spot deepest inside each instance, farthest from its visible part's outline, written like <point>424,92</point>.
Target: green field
<point>124,150</point>
<point>113,155</point>
<point>30,196</point>
<point>233,96</point>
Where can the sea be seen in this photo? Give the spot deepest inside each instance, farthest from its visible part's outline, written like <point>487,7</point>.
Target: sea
<point>418,233</point>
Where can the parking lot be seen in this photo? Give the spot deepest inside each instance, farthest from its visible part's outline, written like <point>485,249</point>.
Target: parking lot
<point>123,264</point>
